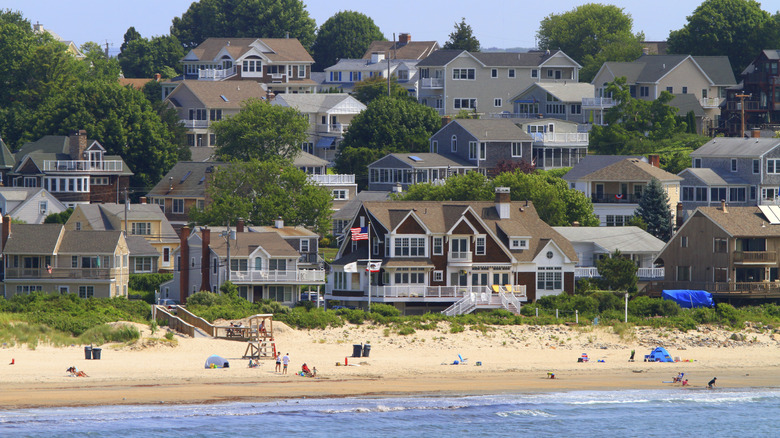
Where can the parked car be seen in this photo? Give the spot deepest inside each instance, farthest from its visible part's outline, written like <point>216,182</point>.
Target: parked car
<point>312,296</point>
<point>168,303</point>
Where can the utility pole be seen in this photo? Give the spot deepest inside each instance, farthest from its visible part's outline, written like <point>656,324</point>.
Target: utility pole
<point>742,107</point>
<point>226,235</point>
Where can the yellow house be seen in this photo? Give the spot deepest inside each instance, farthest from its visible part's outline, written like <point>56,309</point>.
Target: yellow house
<point>144,220</point>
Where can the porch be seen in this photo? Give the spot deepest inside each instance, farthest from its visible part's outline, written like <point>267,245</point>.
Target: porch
<point>643,274</point>
<point>417,293</point>
<point>720,290</point>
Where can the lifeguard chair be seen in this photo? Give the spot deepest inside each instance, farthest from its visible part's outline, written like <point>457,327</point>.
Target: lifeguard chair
<point>261,343</point>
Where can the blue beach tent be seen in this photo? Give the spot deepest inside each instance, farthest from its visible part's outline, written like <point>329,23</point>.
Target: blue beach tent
<point>659,355</point>
<point>689,299</point>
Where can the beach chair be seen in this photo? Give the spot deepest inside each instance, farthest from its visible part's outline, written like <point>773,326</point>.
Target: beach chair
<point>496,288</point>
<point>508,288</point>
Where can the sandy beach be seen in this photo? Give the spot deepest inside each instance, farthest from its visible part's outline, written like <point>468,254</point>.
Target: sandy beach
<point>514,359</point>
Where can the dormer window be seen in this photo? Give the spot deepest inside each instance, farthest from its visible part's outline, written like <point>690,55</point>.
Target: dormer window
<point>519,244</point>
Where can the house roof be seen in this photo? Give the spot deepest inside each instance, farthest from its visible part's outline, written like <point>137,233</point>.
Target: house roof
<point>631,169</point>
<point>592,163</point>
<point>734,147</point>
<point>33,239</point>
<point>651,68</point>
<point>331,103</point>
<point>396,50</point>
<point>490,59</point>
<point>282,49</point>
<point>686,103</point>
<point>7,159</point>
<point>89,242</point>
<point>287,231</point>
<point>211,93</point>
<point>98,216</point>
<point>137,246</point>
<point>349,64</point>
<point>439,58</point>
<point>57,147</point>
<point>137,83</point>
<point>348,210</point>
<point>185,180</point>
<point>246,243</point>
<point>564,91</point>
<point>18,193</point>
<point>493,129</point>
<point>423,160</point>
<point>741,221</point>
<point>633,240</point>
<point>202,153</point>
<point>711,177</point>
<point>309,160</point>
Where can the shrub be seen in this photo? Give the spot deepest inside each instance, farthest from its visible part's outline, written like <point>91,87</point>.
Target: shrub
<point>314,318</point>
<point>456,328</point>
<point>105,333</point>
<point>728,315</point>
<point>608,301</point>
<point>406,330</point>
<point>385,309</point>
<point>147,282</point>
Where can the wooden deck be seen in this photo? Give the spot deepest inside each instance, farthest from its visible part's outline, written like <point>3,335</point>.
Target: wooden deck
<point>721,291</point>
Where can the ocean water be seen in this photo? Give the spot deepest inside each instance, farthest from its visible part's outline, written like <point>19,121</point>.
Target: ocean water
<point>642,413</point>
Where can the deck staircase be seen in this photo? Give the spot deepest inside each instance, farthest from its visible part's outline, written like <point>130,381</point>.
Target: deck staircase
<point>503,299</point>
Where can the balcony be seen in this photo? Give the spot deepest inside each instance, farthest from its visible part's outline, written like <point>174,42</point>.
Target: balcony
<point>459,256</point>
<point>334,180</point>
<point>508,115</point>
<point>432,83</point>
<point>192,124</point>
<point>750,105</point>
<point>332,128</point>
<point>82,166</point>
<point>597,102</point>
<point>59,273</point>
<point>213,74</point>
<point>300,276</point>
<point>710,102</point>
<point>642,273</point>
<point>608,198</point>
<point>548,138</point>
<point>755,257</point>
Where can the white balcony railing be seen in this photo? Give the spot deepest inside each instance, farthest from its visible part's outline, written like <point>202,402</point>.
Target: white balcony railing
<point>332,128</point>
<point>191,124</point>
<point>597,102</point>
<point>332,179</point>
<point>560,137</point>
<point>710,102</point>
<point>82,166</point>
<point>459,256</point>
<point>293,276</point>
<point>593,272</point>
<point>432,82</point>
<point>214,74</point>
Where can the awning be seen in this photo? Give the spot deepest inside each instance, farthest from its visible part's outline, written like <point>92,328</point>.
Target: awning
<point>326,142</point>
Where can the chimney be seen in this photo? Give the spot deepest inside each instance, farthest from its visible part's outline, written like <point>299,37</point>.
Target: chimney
<point>206,183</point>
<point>502,202</point>
<point>755,133</point>
<point>279,223</point>
<point>77,144</point>
<point>575,224</point>
<point>142,199</point>
<point>184,265</point>
<point>377,57</point>
<point>404,39</point>
<point>6,229</point>
<point>240,226</point>
<point>205,262</point>
<point>445,120</point>
<point>679,215</point>
<point>157,77</point>
<point>723,206</point>
<point>655,160</point>
<point>38,27</point>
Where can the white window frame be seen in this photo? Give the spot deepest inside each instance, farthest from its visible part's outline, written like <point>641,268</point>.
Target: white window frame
<point>480,241</point>
<point>511,73</point>
<point>175,210</point>
<point>464,74</point>
<point>304,245</point>
<point>438,276</point>
<point>440,245</point>
<point>473,150</point>
<point>498,102</point>
<point>434,146</point>
<point>517,149</point>
<point>734,165</point>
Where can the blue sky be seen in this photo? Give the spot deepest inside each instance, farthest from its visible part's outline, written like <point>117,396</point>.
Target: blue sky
<point>496,23</point>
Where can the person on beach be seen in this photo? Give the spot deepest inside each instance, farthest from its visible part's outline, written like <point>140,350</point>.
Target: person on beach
<point>285,362</point>
<point>685,382</point>
<point>711,384</point>
<point>678,378</point>
<point>278,363</point>
<point>306,371</point>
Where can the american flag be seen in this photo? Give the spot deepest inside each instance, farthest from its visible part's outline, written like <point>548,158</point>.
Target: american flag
<point>359,233</point>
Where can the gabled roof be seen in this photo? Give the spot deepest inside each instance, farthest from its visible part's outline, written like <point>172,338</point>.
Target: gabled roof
<point>90,242</point>
<point>564,91</point>
<point>33,239</point>
<point>282,49</point>
<point>651,68</point>
<point>247,242</point>
<point>631,169</point>
<point>493,129</point>
<point>309,160</point>
<point>396,50</point>
<point>711,177</point>
<point>633,240</point>
<point>18,194</point>
<point>98,216</point>
<point>423,160</point>
<point>592,163</point>
<point>345,64</point>
<point>348,210</point>
<point>185,180</point>
<point>490,59</point>
<point>284,232</point>
<point>7,159</point>
<point>137,246</point>
<point>57,147</point>
<point>685,103</point>
<point>210,93</point>
<point>330,103</point>
<point>736,147</point>
<point>440,58</point>
<point>202,153</point>
<point>741,221</point>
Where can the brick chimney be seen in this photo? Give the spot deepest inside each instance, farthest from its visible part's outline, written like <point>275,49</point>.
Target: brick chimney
<point>404,39</point>
<point>205,263</point>
<point>503,200</point>
<point>157,77</point>
<point>206,183</point>
<point>77,144</point>
<point>184,265</point>
<point>142,199</point>
<point>679,215</point>
<point>6,229</point>
<point>655,160</point>
<point>240,226</point>
<point>445,120</point>
<point>755,133</point>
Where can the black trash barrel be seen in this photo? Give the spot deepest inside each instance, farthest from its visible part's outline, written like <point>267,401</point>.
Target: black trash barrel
<point>366,350</point>
<point>356,350</point>
<point>88,353</point>
<point>96,353</point>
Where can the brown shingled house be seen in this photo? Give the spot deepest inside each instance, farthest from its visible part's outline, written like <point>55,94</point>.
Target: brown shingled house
<point>468,255</point>
<point>404,48</point>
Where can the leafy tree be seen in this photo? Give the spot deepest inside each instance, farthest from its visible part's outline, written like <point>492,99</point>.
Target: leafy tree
<point>130,35</point>
<point>101,67</point>
<point>244,18</point>
<point>738,29</point>
<point>636,221</point>
<point>369,89</point>
<point>58,218</point>
<point>261,131</point>
<point>462,38</point>
<point>262,191</point>
<point>654,210</point>
<point>344,35</point>
<point>591,34</point>
<point>143,58</point>
<point>618,272</point>
<point>121,119</point>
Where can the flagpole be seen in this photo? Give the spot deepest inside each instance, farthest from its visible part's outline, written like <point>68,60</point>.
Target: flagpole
<point>369,265</point>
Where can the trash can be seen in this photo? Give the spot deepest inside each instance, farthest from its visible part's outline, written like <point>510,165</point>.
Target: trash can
<point>366,350</point>
<point>356,350</point>
<point>88,353</point>
<point>96,353</point>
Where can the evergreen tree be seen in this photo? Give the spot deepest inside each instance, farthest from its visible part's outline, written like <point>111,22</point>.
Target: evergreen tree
<point>462,38</point>
<point>654,210</point>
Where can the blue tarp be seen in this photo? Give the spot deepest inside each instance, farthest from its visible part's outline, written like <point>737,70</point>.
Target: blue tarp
<point>689,299</point>
<point>659,355</point>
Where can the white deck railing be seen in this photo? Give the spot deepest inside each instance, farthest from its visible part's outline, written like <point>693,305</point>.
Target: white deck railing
<point>81,166</point>
<point>332,179</point>
<point>432,82</point>
<point>560,137</point>
<point>296,276</point>
<point>195,123</point>
<point>332,128</point>
<point>593,272</point>
<point>599,102</point>
<point>215,74</point>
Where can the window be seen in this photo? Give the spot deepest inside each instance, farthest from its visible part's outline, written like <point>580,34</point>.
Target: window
<point>684,90</point>
<point>178,206</point>
<point>756,166</point>
<point>483,151</point>
<point>684,241</point>
<point>737,194</point>
<point>575,109</point>
<point>409,276</point>
<point>463,74</point>
<point>409,247</point>
<point>717,194</point>
<point>720,245</point>
<point>215,115</point>
<point>494,73</point>
<point>258,264</point>
<point>701,194</point>
<point>670,89</point>
<point>280,293</point>
<point>549,278</point>
<point>480,245</point>
<point>304,245</point>
<point>683,273</point>
<point>733,164</point>
<point>697,163</point>
<point>86,291</point>
<point>534,73</point>
<point>74,261</point>
<point>339,280</point>
<point>511,73</point>
<point>472,150</point>
<point>462,103</point>
<point>166,255</point>
<point>239,265</point>
<point>644,91</point>
<point>752,193</point>
<point>454,144</point>
<point>143,264</point>
<point>98,181</point>
<point>25,289</point>
<point>141,228</point>
<point>277,264</point>
<point>340,194</point>
<point>301,71</point>
<point>375,246</point>
<point>517,149</point>
<point>438,276</point>
<point>438,246</point>
<point>497,102</point>
<point>773,166</point>
<point>43,207</point>
<point>687,193</point>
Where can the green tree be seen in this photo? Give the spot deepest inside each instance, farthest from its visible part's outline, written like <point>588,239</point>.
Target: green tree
<point>262,191</point>
<point>591,34</point>
<point>261,131</point>
<point>130,35</point>
<point>244,19</point>
<point>121,119</point>
<point>654,210</point>
<point>58,218</point>
<point>100,67</point>
<point>618,272</point>
<point>738,29</point>
<point>143,58</point>
<point>369,89</point>
<point>345,35</point>
<point>462,38</point>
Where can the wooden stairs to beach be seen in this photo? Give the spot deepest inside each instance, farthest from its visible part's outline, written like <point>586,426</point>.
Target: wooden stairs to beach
<point>500,298</point>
